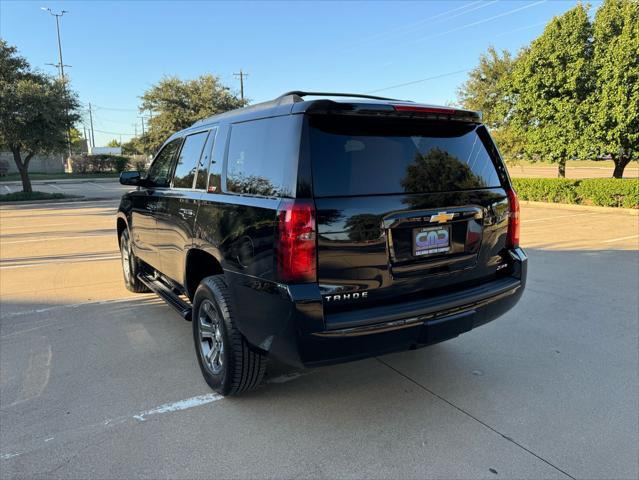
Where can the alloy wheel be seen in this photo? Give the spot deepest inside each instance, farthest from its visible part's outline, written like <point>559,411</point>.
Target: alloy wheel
<point>126,259</point>
<point>211,340</point>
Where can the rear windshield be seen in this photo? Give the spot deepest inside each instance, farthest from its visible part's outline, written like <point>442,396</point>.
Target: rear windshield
<point>368,156</point>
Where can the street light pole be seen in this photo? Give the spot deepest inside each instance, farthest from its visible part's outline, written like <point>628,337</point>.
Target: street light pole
<point>61,64</point>
<point>57,26</point>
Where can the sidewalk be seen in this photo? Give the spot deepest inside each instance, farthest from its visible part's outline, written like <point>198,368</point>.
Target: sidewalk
<point>572,206</point>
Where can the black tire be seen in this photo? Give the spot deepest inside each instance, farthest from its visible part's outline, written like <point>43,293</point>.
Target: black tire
<point>131,281</point>
<point>229,364</point>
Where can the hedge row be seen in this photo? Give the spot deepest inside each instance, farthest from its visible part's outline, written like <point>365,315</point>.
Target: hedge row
<point>99,164</point>
<point>606,192</point>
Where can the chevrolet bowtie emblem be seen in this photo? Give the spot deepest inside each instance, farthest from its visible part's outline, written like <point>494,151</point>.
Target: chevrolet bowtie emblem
<point>442,217</point>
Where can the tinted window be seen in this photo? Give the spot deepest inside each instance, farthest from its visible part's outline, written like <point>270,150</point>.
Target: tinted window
<point>262,157</point>
<point>203,165</point>
<point>362,156</point>
<point>188,160</point>
<point>160,170</point>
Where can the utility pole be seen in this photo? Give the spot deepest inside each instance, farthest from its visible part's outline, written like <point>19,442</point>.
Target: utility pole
<point>142,118</point>
<point>91,120</point>
<point>241,76</point>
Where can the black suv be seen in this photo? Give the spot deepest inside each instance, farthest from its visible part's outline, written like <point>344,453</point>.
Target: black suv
<point>324,230</point>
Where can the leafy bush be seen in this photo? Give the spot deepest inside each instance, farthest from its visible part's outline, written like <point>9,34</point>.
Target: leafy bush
<point>30,196</point>
<point>139,165</point>
<point>610,192</point>
<point>554,190</point>
<point>607,192</point>
<point>99,164</point>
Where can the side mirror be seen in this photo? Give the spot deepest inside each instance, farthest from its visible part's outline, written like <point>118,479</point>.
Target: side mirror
<point>130,178</point>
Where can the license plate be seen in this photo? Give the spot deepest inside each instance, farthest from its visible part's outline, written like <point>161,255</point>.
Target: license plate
<point>431,240</point>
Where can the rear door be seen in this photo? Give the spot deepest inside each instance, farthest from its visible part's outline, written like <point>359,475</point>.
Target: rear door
<point>405,208</point>
<point>177,220</point>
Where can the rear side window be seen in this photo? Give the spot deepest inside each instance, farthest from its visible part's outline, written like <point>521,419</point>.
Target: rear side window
<point>188,160</point>
<point>262,157</point>
<point>160,171</point>
<point>367,156</point>
<point>205,160</point>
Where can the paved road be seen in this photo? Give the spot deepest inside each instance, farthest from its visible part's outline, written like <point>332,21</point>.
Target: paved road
<point>99,383</point>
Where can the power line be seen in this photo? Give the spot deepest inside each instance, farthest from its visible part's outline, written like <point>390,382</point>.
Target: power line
<point>478,22</point>
<point>448,74</point>
<point>100,118</point>
<point>411,26</point>
<point>117,109</point>
<point>115,133</point>
<point>526,27</point>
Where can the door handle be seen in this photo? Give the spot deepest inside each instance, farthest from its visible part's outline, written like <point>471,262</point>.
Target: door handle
<point>186,213</point>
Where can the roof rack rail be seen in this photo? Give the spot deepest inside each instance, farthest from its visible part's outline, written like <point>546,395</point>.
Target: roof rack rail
<point>300,93</point>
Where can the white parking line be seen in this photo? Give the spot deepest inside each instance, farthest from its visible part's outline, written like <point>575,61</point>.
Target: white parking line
<point>181,405</point>
<point>81,204</point>
<point>8,189</point>
<point>619,239</point>
<point>76,305</point>
<point>558,216</point>
<point>53,185</point>
<point>46,239</point>
<point>39,226</point>
<point>55,262</point>
<point>62,436</point>
<point>97,185</point>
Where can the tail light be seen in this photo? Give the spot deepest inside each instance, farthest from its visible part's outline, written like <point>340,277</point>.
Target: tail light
<point>512,241</point>
<point>296,250</point>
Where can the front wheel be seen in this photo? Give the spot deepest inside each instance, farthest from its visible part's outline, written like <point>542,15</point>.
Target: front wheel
<point>229,364</point>
<point>130,265</point>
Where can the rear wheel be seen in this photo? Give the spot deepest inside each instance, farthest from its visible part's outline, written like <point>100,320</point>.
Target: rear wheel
<point>229,364</point>
<point>130,265</point>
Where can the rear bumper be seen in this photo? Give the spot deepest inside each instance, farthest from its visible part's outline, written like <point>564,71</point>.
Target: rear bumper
<point>298,333</point>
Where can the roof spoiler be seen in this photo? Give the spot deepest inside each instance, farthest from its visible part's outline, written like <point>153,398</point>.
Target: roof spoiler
<point>300,94</point>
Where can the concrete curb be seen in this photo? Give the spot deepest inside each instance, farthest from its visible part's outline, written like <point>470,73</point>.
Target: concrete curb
<point>64,180</point>
<point>569,206</point>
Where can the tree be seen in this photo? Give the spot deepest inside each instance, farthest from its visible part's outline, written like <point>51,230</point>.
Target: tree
<point>177,104</point>
<point>135,146</point>
<point>551,84</point>
<point>114,143</point>
<point>486,88</point>
<point>488,91</point>
<point>615,100</point>
<point>35,111</point>
<point>77,141</point>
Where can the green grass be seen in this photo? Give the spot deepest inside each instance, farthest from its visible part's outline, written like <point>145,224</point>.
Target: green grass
<point>13,177</point>
<point>28,197</point>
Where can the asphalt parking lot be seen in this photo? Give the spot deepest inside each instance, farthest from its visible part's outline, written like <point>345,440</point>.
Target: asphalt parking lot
<point>96,382</point>
<point>97,189</point>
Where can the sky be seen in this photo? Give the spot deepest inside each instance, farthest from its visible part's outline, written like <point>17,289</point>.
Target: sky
<point>116,50</point>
